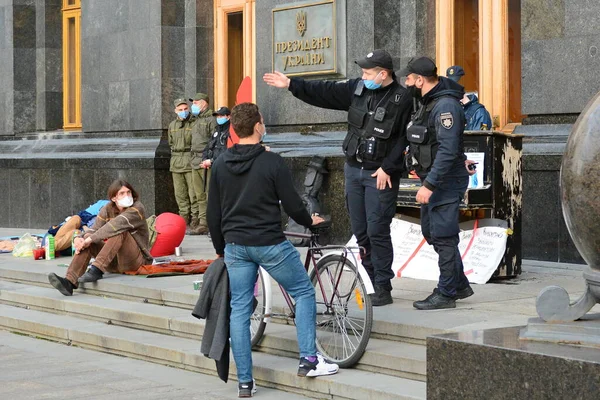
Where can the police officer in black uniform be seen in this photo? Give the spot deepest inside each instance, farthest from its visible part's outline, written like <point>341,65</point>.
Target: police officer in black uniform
<point>435,134</point>
<point>220,139</point>
<point>378,111</point>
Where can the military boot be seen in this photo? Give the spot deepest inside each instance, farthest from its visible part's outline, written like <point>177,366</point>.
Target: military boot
<point>199,230</point>
<point>194,223</point>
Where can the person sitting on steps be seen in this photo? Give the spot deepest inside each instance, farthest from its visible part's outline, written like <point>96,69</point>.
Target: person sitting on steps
<point>118,241</point>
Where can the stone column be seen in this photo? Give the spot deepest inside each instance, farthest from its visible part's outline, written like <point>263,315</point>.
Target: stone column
<point>24,65</point>
<point>49,90</point>
<point>6,68</point>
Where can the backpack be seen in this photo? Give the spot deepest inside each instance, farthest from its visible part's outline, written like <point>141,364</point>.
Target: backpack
<point>312,185</point>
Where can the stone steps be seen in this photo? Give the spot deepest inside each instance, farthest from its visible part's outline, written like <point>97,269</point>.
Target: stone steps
<point>395,358</point>
<point>399,327</point>
<point>269,370</point>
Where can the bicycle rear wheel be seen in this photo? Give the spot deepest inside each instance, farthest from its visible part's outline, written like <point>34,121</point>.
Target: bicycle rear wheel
<point>345,314</point>
<point>257,319</point>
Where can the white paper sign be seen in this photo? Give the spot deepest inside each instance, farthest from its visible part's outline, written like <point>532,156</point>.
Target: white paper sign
<point>481,249</point>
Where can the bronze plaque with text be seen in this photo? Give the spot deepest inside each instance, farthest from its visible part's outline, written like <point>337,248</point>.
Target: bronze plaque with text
<point>304,39</point>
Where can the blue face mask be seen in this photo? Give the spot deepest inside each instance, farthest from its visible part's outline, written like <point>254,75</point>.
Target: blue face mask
<point>221,120</point>
<point>183,114</point>
<point>195,109</point>
<point>370,83</point>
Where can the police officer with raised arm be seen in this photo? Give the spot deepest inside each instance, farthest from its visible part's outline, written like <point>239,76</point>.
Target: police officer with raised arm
<point>435,134</point>
<point>378,111</point>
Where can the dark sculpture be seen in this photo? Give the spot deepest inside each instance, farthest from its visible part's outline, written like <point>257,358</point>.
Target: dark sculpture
<point>580,190</point>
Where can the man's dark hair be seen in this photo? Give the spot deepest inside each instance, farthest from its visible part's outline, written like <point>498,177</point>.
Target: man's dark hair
<point>244,117</point>
<point>114,188</point>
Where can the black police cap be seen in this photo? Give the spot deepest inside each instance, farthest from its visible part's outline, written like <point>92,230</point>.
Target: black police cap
<point>222,111</point>
<point>455,72</point>
<point>377,58</point>
<point>423,66</point>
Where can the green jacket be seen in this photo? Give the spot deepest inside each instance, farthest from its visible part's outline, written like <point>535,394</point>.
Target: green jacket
<point>203,127</point>
<point>180,142</point>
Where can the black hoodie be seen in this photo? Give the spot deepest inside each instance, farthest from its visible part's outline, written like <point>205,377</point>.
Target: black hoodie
<point>246,187</point>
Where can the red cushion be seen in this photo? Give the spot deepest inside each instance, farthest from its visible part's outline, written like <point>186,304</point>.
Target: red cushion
<point>171,231</point>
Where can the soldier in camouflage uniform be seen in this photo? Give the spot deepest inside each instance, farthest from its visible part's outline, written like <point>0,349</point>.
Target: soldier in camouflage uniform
<point>180,142</point>
<point>203,126</point>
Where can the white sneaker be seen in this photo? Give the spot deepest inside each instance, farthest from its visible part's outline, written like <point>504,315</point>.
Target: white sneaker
<point>319,367</point>
<point>247,389</point>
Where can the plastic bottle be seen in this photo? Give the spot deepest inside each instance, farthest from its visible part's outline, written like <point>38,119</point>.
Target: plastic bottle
<point>75,235</point>
<point>49,247</point>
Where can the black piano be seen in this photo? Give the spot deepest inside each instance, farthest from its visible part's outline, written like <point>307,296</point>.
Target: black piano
<point>500,197</point>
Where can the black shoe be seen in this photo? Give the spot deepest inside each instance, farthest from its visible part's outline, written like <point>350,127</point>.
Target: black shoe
<point>246,389</point>
<point>62,284</point>
<point>381,297</point>
<point>91,275</point>
<point>435,301</point>
<point>464,293</point>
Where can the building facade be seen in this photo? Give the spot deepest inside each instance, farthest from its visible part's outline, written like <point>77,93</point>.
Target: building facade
<point>86,86</point>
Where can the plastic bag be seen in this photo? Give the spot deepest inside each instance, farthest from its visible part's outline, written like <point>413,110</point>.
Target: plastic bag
<point>25,246</point>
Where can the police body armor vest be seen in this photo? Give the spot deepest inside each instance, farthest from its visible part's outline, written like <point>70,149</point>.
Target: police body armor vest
<point>422,137</point>
<point>370,130</point>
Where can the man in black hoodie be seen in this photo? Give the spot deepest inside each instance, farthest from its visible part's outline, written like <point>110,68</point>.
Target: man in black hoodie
<point>247,186</point>
<point>435,135</point>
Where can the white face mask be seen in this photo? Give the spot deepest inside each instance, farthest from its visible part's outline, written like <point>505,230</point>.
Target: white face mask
<point>125,202</point>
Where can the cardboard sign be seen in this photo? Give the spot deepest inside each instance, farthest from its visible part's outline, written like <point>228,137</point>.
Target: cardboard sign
<point>482,246</point>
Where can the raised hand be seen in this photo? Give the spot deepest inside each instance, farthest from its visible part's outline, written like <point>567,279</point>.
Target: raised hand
<point>276,79</point>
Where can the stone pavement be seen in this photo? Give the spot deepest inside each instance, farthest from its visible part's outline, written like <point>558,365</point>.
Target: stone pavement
<point>32,369</point>
<point>164,332</point>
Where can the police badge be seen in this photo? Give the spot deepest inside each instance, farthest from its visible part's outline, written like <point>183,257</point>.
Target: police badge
<point>447,120</point>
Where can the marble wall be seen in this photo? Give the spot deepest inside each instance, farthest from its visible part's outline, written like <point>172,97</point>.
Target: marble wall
<point>48,66</point>
<point>6,68</point>
<point>47,178</point>
<point>140,55</point>
<point>560,55</point>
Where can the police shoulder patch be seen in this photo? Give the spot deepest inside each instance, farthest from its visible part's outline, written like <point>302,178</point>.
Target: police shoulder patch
<point>447,120</point>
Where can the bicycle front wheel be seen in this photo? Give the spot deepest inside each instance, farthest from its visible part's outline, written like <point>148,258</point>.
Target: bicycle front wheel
<point>344,311</point>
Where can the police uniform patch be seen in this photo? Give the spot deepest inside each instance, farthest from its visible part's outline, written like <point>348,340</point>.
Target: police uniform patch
<point>397,99</point>
<point>447,120</point>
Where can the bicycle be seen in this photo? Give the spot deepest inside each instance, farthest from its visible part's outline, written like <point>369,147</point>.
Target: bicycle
<point>344,309</point>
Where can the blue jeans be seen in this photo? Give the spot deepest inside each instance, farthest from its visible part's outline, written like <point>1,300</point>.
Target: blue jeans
<point>282,262</point>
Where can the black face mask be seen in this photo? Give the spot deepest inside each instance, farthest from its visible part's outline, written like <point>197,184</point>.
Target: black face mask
<point>414,91</point>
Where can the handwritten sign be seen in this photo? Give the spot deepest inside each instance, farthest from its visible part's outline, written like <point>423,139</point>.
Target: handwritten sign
<point>481,247</point>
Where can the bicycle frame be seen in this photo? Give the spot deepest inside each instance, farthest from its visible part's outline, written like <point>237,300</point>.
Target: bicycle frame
<point>341,278</point>
<point>314,254</point>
